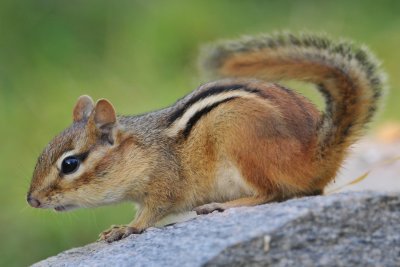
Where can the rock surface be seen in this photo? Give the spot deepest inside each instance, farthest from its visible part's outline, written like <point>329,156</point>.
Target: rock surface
<point>346,229</point>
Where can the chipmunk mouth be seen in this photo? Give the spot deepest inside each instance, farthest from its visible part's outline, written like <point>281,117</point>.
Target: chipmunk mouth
<point>64,207</point>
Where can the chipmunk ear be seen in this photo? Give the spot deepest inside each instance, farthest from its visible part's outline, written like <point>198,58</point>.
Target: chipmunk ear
<point>104,114</point>
<point>83,108</point>
<point>103,119</point>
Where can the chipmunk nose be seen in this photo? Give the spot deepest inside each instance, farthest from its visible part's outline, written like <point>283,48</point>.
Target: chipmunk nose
<point>33,201</point>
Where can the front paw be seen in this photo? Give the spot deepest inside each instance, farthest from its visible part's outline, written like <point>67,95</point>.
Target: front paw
<point>208,208</point>
<point>118,232</point>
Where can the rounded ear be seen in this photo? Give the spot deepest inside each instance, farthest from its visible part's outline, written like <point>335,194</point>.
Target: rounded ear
<point>104,114</point>
<point>83,108</point>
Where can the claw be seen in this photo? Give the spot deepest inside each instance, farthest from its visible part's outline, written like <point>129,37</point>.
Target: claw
<point>209,208</point>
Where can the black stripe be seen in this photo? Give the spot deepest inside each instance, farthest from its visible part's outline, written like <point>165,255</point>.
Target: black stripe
<point>209,92</point>
<point>193,120</point>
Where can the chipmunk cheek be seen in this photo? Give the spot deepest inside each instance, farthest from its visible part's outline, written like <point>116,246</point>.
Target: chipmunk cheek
<point>101,174</point>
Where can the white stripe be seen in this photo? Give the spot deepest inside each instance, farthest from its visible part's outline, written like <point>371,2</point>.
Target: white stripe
<point>181,122</point>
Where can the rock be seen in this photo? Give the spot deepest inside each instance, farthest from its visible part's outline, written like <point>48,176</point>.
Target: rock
<point>346,229</point>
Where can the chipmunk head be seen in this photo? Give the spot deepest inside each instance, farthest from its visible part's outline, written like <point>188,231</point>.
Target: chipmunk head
<point>79,167</point>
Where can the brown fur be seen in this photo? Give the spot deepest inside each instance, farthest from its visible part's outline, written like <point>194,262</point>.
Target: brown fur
<point>274,157</point>
<point>233,142</point>
<point>348,77</point>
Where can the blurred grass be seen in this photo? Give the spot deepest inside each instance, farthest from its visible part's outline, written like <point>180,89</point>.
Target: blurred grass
<point>141,55</point>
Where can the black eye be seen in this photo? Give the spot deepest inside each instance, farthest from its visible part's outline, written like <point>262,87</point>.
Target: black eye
<point>70,164</point>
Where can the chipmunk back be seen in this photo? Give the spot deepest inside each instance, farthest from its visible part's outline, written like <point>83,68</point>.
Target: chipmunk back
<point>238,141</point>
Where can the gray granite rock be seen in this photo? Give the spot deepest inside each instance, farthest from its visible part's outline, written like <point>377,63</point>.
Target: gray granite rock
<point>346,229</point>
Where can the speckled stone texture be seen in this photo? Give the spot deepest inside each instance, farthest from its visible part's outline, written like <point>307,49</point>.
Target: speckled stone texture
<point>346,229</point>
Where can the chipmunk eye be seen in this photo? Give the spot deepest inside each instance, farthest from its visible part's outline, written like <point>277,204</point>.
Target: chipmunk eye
<point>70,164</point>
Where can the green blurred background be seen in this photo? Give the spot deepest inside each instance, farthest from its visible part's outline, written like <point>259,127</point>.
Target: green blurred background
<point>141,55</point>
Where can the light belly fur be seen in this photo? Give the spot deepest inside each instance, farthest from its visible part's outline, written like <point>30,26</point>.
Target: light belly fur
<point>230,184</point>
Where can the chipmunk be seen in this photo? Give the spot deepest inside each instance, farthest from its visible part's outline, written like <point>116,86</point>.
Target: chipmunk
<point>242,140</point>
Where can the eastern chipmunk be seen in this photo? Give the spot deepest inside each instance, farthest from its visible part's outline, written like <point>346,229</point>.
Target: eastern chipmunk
<point>239,141</point>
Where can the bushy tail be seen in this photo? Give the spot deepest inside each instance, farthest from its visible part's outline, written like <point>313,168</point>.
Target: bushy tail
<point>346,75</point>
